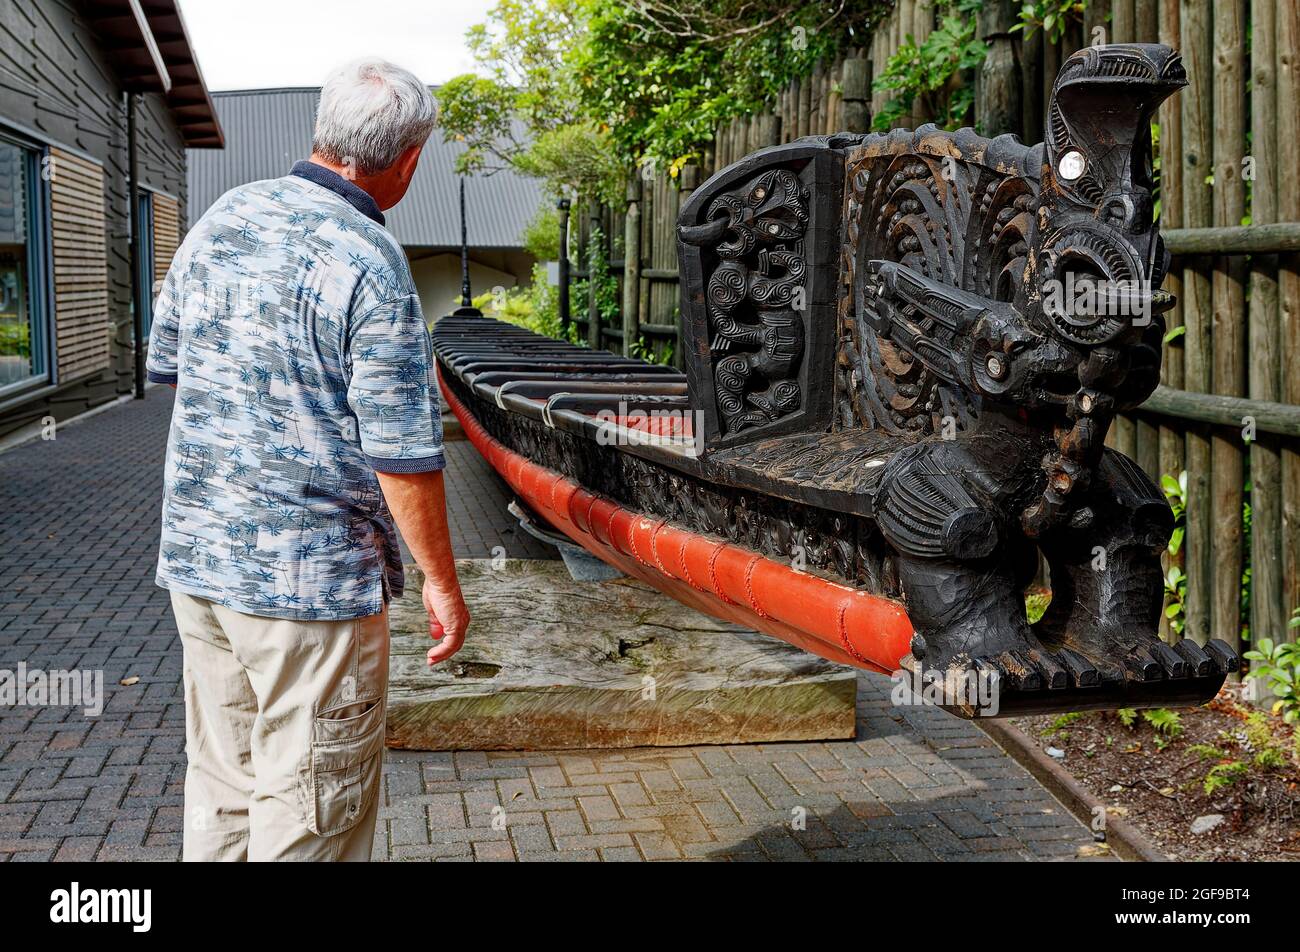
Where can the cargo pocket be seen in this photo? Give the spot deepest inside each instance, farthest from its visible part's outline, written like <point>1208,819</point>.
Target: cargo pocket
<point>346,760</point>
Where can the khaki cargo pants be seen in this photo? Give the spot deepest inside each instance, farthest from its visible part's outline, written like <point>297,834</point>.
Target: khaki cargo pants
<point>284,731</point>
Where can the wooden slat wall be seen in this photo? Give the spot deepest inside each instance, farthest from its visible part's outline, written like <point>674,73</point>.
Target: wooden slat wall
<point>81,317</point>
<point>166,236</point>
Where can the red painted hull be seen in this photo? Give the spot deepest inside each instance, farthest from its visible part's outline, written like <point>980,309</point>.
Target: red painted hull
<point>834,621</point>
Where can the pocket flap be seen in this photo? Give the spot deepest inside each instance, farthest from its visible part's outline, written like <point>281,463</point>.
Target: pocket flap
<point>332,731</point>
<point>346,766</point>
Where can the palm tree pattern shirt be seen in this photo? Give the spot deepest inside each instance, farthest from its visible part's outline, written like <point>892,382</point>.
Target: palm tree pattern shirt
<point>291,327</point>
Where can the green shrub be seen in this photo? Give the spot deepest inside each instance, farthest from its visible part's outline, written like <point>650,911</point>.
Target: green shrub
<point>1278,667</point>
<point>1208,752</point>
<point>542,234</point>
<point>1224,775</point>
<point>1164,721</point>
<point>533,306</point>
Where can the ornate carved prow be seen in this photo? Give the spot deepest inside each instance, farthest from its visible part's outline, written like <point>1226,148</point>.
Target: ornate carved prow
<point>1094,277</point>
<point>995,305</point>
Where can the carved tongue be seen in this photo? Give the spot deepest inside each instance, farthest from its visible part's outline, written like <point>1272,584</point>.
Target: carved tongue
<point>707,234</point>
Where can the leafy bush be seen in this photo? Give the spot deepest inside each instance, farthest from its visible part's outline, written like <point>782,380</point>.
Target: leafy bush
<point>1036,605</point>
<point>663,73</point>
<point>1051,16</point>
<point>576,159</point>
<point>932,71</point>
<point>1278,667</point>
<point>533,306</point>
<point>1164,721</point>
<point>1166,724</point>
<point>577,91</point>
<point>1224,775</point>
<point>542,234</point>
<point>608,305</point>
<point>1175,491</point>
<point>656,352</point>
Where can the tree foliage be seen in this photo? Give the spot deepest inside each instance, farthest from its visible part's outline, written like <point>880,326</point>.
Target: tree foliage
<point>662,75</point>
<point>521,109</point>
<point>935,71</point>
<point>577,91</point>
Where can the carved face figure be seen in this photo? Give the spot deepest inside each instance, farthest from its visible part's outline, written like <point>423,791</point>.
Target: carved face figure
<point>773,209</point>
<point>1094,273</point>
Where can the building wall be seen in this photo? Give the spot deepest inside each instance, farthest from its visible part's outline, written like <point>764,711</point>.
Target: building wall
<point>437,275</point>
<point>57,87</point>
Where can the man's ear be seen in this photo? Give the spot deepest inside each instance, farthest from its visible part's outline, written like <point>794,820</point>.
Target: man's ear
<point>408,160</point>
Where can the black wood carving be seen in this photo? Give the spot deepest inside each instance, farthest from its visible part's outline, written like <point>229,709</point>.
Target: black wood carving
<point>907,350</point>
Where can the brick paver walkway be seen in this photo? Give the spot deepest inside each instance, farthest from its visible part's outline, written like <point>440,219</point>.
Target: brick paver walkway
<point>78,535</point>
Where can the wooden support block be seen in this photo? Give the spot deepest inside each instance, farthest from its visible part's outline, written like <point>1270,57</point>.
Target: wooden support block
<point>551,663</point>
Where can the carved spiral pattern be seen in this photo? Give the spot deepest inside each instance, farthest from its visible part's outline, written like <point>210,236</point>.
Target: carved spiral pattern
<point>726,289</point>
<point>785,395</point>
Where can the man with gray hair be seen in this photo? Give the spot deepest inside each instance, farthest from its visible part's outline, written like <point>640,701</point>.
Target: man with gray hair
<point>305,426</point>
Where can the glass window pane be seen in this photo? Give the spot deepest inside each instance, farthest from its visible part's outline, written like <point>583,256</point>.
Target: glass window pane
<point>17,361</point>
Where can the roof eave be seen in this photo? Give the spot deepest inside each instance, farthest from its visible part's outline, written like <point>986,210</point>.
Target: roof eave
<point>148,45</point>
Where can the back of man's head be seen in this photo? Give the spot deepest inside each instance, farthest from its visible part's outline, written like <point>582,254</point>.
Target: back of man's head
<point>370,113</point>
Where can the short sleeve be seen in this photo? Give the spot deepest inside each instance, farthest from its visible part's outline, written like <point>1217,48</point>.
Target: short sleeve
<point>391,388</point>
<point>165,333</point>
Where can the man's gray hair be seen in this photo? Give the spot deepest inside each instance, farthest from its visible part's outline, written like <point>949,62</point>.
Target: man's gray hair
<point>370,113</point>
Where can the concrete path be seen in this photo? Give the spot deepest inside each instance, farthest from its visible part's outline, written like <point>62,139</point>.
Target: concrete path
<point>78,538</point>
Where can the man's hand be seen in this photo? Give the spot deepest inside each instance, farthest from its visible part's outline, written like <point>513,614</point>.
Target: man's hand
<point>419,505</point>
<point>448,620</point>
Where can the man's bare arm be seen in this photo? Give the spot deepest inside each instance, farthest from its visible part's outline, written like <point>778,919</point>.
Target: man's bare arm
<point>418,502</point>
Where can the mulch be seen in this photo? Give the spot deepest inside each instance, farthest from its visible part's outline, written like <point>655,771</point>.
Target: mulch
<point>1208,762</point>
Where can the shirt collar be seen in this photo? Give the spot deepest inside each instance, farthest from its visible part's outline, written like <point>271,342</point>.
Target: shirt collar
<point>327,178</point>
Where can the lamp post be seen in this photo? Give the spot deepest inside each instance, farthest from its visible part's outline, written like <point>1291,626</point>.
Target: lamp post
<point>563,206</point>
<point>467,308</point>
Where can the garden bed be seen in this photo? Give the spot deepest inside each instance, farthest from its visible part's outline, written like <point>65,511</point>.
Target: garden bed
<point>1218,782</point>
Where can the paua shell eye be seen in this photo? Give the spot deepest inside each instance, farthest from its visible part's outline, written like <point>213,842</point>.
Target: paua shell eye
<point>1072,165</point>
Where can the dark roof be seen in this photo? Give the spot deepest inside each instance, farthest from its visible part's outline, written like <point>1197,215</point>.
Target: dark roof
<point>267,130</point>
<point>146,42</point>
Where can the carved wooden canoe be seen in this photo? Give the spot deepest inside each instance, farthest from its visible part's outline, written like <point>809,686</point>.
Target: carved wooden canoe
<point>894,402</point>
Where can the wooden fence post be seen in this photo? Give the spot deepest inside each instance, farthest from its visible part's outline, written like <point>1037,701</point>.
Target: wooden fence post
<point>998,86</point>
<point>632,266</point>
<point>690,181</point>
<point>1197,31</point>
<point>1268,610</point>
<point>1031,97</point>
<point>1228,371</point>
<point>1287,53</point>
<point>857,95</point>
<point>1123,21</point>
<point>1171,458</point>
<point>917,20</point>
<point>1094,15</point>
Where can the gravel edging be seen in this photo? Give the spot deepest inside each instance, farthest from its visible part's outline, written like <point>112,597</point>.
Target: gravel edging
<point>1124,839</point>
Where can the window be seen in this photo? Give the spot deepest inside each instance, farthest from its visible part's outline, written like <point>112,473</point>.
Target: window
<point>23,292</point>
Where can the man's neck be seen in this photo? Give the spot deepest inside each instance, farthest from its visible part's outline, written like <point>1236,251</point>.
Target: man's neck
<point>366,183</point>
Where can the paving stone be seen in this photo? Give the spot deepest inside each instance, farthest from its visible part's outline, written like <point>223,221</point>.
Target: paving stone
<point>78,541</point>
<point>495,851</point>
